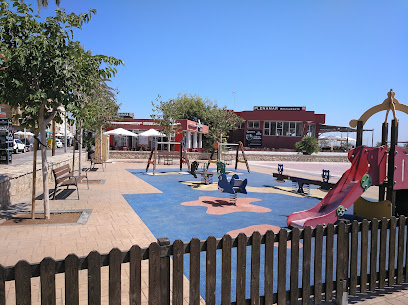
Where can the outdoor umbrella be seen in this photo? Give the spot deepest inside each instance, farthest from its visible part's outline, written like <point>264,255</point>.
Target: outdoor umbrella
<point>120,132</point>
<point>152,133</point>
<point>21,133</point>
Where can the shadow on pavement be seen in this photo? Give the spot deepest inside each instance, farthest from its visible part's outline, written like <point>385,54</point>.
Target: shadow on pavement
<point>61,194</point>
<point>372,295</point>
<point>12,210</point>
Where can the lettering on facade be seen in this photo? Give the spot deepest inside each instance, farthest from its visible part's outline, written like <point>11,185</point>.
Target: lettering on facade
<point>253,138</point>
<point>130,115</point>
<point>279,108</point>
<point>139,123</point>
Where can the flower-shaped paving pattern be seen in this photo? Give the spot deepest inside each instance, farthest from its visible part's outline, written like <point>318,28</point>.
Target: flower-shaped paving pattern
<point>222,206</point>
<point>261,229</point>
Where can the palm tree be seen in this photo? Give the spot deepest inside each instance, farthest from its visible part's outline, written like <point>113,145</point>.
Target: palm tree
<point>44,3</point>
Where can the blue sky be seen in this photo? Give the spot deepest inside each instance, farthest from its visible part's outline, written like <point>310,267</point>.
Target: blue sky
<point>334,57</point>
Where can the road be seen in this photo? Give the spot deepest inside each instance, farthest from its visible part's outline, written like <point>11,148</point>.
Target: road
<point>28,156</point>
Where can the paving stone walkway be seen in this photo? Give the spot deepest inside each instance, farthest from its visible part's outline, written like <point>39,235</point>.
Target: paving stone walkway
<point>112,223</point>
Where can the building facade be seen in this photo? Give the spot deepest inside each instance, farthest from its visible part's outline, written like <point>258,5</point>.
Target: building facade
<point>3,114</point>
<point>189,131</point>
<point>276,127</point>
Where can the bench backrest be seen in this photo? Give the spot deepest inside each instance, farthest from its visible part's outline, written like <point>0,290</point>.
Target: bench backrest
<point>61,171</point>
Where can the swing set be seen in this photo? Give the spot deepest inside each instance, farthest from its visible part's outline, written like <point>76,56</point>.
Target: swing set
<point>168,156</point>
<point>217,150</point>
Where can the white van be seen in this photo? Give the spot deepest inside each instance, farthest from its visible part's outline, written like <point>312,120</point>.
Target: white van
<point>58,143</point>
<point>18,146</point>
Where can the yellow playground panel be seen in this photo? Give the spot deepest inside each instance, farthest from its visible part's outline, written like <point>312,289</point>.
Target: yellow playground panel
<point>370,210</point>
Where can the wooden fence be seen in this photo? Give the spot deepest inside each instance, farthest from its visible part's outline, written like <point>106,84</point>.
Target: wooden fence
<point>356,257</point>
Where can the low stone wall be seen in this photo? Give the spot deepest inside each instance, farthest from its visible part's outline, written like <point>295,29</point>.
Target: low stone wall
<point>114,154</point>
<point>16,181</point>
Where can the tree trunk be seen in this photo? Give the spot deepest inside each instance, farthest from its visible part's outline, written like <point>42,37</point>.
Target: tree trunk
<point>44,165</point>
<point>53,138</point>
<point>73,152</point>
<point>34,178</point>
<point>80,148</point>
<point>100,137</point>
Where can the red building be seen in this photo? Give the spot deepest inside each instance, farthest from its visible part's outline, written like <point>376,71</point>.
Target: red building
<point>189,131</point>
<point>276,127</point>
<point>3,109</point>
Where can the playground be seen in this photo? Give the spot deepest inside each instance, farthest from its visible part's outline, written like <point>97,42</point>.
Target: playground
<point>181,203</point>
<point>187,208</point>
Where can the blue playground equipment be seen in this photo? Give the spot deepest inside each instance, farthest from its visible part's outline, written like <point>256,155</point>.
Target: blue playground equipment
<point>232,187</point>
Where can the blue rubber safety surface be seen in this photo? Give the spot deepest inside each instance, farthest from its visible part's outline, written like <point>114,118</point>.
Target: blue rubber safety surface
<point>166,217</point>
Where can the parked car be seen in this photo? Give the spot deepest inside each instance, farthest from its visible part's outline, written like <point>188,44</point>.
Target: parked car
<point>28,145</point>
<point>18,146</point>
<point>58,143</point>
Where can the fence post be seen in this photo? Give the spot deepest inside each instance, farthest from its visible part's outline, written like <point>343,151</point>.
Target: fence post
<point>342,264</point>
<point>164,273</point>
<point>344,296</point>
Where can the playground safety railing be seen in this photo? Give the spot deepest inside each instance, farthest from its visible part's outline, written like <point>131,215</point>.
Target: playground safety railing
<point>335,260</point>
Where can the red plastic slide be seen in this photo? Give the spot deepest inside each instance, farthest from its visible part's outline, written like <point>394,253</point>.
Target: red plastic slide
<point>368,167</point>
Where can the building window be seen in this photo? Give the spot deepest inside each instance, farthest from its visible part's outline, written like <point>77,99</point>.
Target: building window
<point>288,129</point>
<point>279,128</point>
<point>311,130</point>
<point>267,128</point>
<point>241,125</point>
<point>253,125</point>
<point>292,129</point>
<point>285,128</point>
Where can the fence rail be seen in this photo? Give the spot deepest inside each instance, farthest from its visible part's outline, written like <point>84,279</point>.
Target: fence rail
<point>355,257</point>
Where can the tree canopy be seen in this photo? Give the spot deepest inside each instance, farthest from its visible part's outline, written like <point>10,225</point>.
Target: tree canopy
<point>45,68</point>
<point>193,107</point>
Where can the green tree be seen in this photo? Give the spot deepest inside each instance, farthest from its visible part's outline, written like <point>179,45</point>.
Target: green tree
<point>45,68</point>
<point>166,115</point>
<point>99,108</point>
<point>220,122</point>
<point>192,107</point>
<point>378,144</point>
<point>307,145</point>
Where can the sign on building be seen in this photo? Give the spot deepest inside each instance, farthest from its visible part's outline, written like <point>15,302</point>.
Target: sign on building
<point>253,138</point>
<point>127,115</point>
<point>280,108</point>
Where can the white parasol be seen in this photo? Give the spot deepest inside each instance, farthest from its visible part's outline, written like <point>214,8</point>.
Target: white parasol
<point>152,133</point>
<point>120,132</point>
<point>22,133</point>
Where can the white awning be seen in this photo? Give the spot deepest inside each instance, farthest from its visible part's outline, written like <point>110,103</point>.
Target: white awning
<point>152,133</point>
<point>22,133</point>
<point>120,132</point>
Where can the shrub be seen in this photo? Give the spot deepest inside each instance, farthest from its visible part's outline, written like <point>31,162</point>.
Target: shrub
<point>307,145</point>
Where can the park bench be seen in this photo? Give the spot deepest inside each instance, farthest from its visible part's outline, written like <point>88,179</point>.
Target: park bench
<point>95,160</point>
<point>64,177</point>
